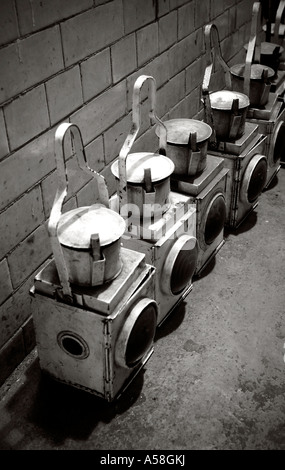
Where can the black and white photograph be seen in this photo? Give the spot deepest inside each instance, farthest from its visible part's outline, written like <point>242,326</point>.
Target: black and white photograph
<point>142,228</point>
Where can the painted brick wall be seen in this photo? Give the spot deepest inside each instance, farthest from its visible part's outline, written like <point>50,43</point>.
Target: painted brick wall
<point>65,60</point>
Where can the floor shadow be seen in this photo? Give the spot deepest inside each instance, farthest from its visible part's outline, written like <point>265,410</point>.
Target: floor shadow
<point>171,322</point>
<point>246,225</point>
<point>59,411</point>
<point>273,183</point>
<point>206,270</point>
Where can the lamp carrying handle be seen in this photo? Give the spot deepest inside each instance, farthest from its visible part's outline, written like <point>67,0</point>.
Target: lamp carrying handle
<point>254,47</point>
<point>61,193</point>
<point>213,53</point>
<point>278,18</point>
<point>131,137</point>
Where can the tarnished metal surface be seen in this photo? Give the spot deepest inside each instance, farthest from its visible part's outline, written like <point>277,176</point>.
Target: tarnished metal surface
<point>160,167</point>
<point>266,111</point>
<point>267,48</point>
<point>164,253</point>
<point>256,71</point>
<point>76,226</point>
<point>102,298</point>
<point>223,99</point>
<point>275,31</point>
<point>205,201</point>
<point>274,129</point>
<point>131,137</point>
<point>238,205</point>
<point>186,160</point>
<point>259,89</point>
<point>237,146</point>
<point>97,353</point>
<point>90,267</point>
<point>254,179</point>
<point>178,130</point>
<point>142,204</point>
<point>187,143</point>
<point>278,84</point>
<point>252,78</point>
<point>227,121</point>
<point>152,228</point>
<point>194,185</point>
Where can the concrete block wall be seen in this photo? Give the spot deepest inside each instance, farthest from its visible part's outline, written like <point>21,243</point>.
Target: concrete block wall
<point>77,61</point>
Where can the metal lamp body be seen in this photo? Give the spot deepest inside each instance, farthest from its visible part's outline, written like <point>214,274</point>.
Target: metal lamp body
<point>278,40</point>
<point>188,158</point>
<point>275,31</point>
<point>85,241</point>
<point>274,129</point>
<point>159,197</point>
<point>170,245</point>
<point>274,35</point>
<point>259,89</point>
<point>228,125</point>
<point>210,204</point>
<point>268,56</point>
<point>179,154</point>
<point>156,190</point>
<point>222,120</point>
<point>90,239</point>
<point>99,343</point>
<point>206,203</point>
<point>241,178</point>
<point>82,269</point>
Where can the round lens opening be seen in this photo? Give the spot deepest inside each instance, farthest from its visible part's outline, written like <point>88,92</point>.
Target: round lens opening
<point>73,345</point>
<point>279,147</point>
<point>215,219</point>
<point>141,336</point>
<point>257,180</point>
<point>184,267</point>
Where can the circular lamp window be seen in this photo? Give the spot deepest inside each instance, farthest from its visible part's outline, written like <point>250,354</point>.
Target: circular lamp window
<point>215,218</point>
<point>136,337</point>
<point>73,345</point>
<point>279,142</point>
<point>179,265</point>
<point>254,178</point>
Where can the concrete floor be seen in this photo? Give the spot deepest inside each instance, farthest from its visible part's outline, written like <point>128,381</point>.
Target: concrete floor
<point>215,380</point>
